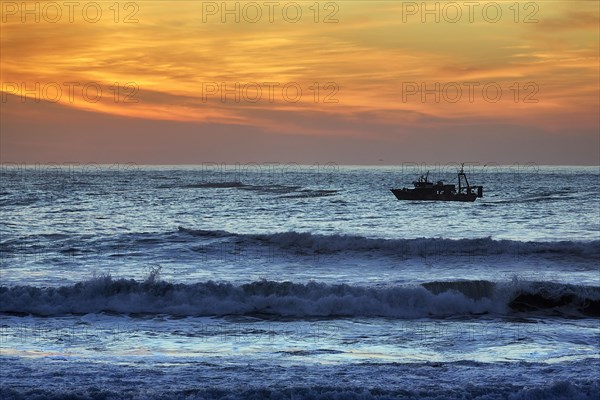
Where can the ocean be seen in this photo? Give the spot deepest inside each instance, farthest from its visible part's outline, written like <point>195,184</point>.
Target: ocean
<point>287,281</point>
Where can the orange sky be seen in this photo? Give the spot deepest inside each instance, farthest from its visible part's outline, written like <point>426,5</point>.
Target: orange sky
<point>195,85</point>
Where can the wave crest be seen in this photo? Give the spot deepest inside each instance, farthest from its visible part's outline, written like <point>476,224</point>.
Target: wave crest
<point>305,242</point>
<point>312,299</point>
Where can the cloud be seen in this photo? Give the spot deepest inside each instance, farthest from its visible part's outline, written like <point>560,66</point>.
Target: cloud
<point>573,20</point>
<point>366,62</point>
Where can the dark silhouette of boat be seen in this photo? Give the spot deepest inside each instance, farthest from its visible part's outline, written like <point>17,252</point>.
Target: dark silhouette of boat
<point>426,190</point>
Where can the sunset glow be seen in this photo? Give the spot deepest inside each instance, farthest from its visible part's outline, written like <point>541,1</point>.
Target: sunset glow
<point>375,72</point>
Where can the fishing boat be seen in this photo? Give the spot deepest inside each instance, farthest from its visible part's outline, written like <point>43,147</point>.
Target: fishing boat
<point>426,190</point>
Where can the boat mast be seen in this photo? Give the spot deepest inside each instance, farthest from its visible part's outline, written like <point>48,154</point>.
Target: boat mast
<point>461,175</point>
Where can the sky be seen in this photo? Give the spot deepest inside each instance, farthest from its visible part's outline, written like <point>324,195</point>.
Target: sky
<point>348,82</point>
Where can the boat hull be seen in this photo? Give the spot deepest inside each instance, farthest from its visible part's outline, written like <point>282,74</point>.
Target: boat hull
<point>405,194</point>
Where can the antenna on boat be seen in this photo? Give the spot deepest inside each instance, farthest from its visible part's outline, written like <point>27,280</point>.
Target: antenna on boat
<point>461,175</point>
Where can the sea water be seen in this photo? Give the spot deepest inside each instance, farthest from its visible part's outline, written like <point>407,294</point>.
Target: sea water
<point>288,281</point>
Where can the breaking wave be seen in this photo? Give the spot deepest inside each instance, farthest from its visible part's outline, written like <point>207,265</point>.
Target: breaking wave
<point>302,300</point>
<point>305,242</point>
